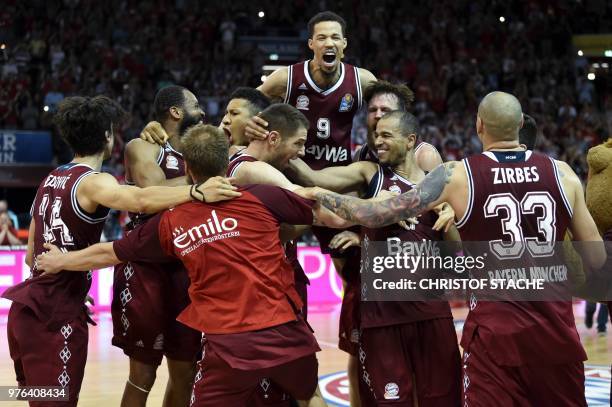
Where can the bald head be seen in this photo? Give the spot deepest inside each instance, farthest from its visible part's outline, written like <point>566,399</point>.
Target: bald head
<point>501,115</point>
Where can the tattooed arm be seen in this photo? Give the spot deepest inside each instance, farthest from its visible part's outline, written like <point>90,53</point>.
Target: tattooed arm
<point>430,192</point>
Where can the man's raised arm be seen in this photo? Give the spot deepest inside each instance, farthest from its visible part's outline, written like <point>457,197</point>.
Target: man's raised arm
<point>103,189</point>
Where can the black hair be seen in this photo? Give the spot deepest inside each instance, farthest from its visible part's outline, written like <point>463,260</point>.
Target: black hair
<point>165,98</point>
<point>529,132</point>
<point>83,122</point>
<point>326,16</point>
<point>257,101</point>
<point>404,94</point>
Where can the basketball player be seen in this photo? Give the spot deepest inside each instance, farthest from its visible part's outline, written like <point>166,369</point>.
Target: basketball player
<point>515,353</point>
<point>47,324</point>
<point>426,373</point>
<point>382,97</point>
<point>146,298</point>
<point>242,291</point>
<point>261,163</point>
<point>324,88</point>
<point>329,93</point>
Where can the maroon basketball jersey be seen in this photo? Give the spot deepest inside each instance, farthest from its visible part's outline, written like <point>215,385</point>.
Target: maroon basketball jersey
<point>169,160</point>
<point>517,204</point>
<point>366,154</point>
<point>236,160</point>
<point>58,219</point>
<point>384,313</point>
<point>330,113</point>
<point>172,164</point>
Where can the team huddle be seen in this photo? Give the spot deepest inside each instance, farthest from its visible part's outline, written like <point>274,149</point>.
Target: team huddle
<point>207,272</point>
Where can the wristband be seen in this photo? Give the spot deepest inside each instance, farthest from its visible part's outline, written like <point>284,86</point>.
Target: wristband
<point>195,187</point>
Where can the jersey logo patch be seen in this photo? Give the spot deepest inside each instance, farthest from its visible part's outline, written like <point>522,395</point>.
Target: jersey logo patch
<point>395,189</point>
<point>171,162</point>
<point>391,391</point>
<point>303,86</point>
<point>346,103</point>
<point>302,102</point>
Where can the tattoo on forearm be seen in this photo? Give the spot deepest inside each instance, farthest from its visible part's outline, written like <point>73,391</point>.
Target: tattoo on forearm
<point>392,210</point>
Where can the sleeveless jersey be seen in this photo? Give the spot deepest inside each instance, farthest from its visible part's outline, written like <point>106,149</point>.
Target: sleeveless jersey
<point>172,164</point>
<point>385,313</point>
<point>58,219</point>
<point>330,113</point>
<point>517,203</point>
<point>366,154</point>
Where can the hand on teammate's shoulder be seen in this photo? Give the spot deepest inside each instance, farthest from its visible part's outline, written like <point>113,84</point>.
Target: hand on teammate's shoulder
<point>154,133</point>
<point>215,189</point>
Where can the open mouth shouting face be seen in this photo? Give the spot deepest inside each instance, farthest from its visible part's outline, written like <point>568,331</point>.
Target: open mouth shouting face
<point>237,114</point>
<point>328,44</point>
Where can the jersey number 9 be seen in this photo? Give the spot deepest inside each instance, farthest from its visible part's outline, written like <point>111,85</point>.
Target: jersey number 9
<point>323,128</point>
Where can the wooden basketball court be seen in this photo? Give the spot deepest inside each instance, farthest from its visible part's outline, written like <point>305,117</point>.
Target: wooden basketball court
<point>107,366</point>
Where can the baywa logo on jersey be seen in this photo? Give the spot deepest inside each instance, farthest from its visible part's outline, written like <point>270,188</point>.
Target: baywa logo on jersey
<point>302,102</point>
<point>346,103</point>
<point>327,153</point>
<point>172,162</point>
<point>391,391</point>
<point>211,230</point>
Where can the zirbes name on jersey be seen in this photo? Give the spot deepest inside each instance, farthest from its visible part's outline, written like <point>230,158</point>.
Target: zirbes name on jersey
<point>212,229</point>
<point>328,153</point>
<point>516,175</point>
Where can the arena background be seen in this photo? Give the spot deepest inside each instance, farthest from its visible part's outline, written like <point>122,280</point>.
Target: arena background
<point>554,56</point>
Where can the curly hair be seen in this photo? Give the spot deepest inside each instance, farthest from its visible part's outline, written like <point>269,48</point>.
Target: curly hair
<point>83,122</point>
<point>404,94</point>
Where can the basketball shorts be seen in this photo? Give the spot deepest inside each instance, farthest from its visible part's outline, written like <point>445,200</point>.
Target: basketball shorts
<point>218,384</point>
<point>419,360</point>
<point>485,383</point>
<point>44,357</point>
<point>146,301</point>
<point>269,394</point>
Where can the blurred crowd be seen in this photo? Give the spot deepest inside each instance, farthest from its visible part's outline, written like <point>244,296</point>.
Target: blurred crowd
<point>450,52</point>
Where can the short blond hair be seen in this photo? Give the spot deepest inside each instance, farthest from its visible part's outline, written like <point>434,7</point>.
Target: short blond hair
<point>206,150</point>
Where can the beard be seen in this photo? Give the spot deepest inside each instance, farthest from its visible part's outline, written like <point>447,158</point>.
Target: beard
<point>188,121</point>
